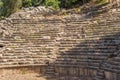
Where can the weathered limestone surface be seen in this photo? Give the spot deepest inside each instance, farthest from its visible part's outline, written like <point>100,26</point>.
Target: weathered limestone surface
<point>65,41</point>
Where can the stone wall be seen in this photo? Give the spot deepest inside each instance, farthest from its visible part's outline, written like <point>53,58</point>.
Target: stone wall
<point>64,42</point>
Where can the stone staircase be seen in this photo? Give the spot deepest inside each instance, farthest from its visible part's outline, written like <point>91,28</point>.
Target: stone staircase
<point>100,75</point>
<point>112,64</point>
<point>50,72</point>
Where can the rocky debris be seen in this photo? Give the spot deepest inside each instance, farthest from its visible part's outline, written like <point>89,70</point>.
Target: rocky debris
<point>5,28</point>
<point>27,13</point>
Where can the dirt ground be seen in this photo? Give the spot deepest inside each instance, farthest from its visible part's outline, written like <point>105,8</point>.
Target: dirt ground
<point>29,76</point>
<point>19,75</point>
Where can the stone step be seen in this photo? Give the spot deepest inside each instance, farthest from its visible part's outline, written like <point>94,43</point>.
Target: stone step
<point>50,72</point>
